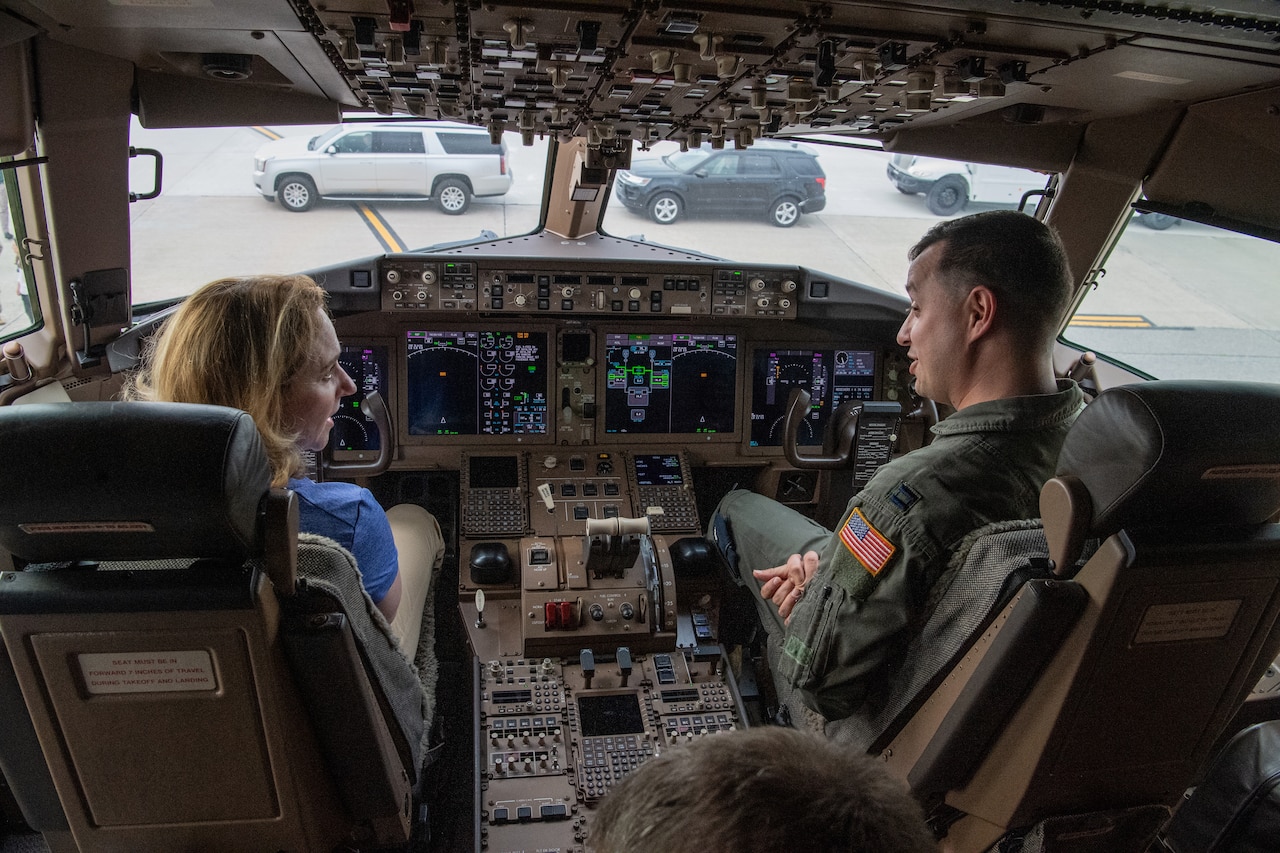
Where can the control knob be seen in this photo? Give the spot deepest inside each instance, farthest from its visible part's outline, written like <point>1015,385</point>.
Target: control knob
<point>597,612</point>
<point>757,284</point>
<point>788,285</point>
<point>627,610</point>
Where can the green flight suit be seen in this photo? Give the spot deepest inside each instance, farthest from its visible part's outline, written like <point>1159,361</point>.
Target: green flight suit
<point>986,463</point>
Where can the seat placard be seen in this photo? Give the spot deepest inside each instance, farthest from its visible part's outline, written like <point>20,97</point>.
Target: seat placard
<point>147,672</point>
<point>1195,620</point>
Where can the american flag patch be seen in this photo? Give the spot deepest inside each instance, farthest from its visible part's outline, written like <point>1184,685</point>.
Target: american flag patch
<point>866,543</point>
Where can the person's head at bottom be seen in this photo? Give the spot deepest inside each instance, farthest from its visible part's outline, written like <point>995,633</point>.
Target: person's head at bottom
<point>761,790</point>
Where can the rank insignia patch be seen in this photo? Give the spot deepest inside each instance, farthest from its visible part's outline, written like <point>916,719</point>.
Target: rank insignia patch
<point>865,542</point>
<point>904,497</point>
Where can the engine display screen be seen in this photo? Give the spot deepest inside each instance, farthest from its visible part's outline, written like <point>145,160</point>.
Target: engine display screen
<point>677,382</point>
<point>831,376</point>
<point>477,383</point>
<point>353,429</point>
<point>610,714</point>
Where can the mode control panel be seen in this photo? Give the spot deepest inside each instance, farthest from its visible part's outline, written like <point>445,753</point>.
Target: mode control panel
<point>415,283</point>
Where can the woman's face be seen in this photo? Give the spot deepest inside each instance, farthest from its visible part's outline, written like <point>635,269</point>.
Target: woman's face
<point>311,399</point>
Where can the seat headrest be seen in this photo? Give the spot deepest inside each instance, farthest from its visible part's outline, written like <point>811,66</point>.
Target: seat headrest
<point>130,481</point>
<point>1178,453</point>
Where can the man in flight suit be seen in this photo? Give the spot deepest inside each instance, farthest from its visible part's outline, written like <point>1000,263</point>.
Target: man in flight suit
<point>987,293</point>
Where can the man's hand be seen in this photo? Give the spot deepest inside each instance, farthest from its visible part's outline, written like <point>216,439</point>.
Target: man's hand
<point>784,585</point>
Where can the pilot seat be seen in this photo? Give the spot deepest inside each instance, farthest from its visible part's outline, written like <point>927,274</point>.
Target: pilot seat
<point>181,670</point>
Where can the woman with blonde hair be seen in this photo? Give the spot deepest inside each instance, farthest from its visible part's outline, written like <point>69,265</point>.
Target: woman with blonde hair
<point>266,345</point>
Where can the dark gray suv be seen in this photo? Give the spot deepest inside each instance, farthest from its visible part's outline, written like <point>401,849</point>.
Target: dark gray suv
<point>780,180</point>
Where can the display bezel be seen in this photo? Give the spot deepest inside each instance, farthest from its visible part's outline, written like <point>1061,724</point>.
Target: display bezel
<point>388,392</point>
<point>756,348</point>
<point>604,437</point>
<point>476,440</point>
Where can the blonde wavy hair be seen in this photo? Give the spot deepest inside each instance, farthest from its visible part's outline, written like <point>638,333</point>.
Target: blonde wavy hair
<point>238,342</point>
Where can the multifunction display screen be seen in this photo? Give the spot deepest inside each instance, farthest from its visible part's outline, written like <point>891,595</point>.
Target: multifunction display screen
<point>477,383</point>
<point>353,429</point>
<point>831,376</point>
<point>658,469</point>
<point>678,382</point>
<point>610,714</point>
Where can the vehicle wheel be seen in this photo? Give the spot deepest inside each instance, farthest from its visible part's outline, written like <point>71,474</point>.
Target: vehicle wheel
<point>785,212</point>
<point>297,193</point>
<point>453,196</point>
<point>664,208</point>
<point>1158,221</point>
<point>947,196</point>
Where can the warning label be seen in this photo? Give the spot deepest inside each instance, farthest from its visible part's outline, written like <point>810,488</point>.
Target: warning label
<point>1198,620</point>
<point>147,672</point>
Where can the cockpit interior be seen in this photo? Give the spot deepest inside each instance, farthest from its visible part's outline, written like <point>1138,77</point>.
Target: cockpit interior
<point>569,385</point>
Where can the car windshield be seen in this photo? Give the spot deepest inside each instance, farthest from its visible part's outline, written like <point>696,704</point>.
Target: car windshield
<point>318,143</point>
<point>685,161</point>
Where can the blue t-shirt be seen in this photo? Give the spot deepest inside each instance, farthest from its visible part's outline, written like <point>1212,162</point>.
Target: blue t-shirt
<point>350,516</point>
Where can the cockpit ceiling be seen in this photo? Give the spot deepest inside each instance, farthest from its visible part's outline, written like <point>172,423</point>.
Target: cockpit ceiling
<point>705,71</point>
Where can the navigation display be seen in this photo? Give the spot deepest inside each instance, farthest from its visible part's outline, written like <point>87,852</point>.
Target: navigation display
<point>477,383</point>
<point>674,382</point>
<point>352,428</point>
<point>832,376</point>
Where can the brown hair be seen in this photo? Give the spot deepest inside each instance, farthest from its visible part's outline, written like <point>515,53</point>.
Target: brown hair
<point>1018,257</point>
<point>760,791</point>
<point>238,342</point>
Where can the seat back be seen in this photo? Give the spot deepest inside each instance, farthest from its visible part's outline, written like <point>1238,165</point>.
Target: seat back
<point>149,625</point>
<point>1176,622</point>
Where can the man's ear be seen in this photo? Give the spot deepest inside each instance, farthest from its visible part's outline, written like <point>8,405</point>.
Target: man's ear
<point>980,312</point>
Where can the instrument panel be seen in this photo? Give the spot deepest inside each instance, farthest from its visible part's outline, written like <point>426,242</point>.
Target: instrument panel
<point>578,406</point>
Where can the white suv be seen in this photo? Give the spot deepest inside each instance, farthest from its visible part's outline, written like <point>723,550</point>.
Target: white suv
<point>380,162</point>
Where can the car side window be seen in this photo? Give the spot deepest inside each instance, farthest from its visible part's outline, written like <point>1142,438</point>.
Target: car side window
<point>807,166</point>
<point>758,164</point>
<point>355,143</point>
<point>723,166</point>
<point>392,142</point>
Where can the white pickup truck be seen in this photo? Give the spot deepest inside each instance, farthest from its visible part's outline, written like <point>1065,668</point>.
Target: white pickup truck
<point>949,185</point>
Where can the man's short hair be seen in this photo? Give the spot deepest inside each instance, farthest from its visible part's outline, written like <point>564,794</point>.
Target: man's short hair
<point>760,790</point>
<point>1019,258</point>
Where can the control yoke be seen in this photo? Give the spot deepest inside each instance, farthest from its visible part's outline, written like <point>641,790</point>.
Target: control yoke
<point>613,544</point>
<point>837,442</point>
<point>377,410</point>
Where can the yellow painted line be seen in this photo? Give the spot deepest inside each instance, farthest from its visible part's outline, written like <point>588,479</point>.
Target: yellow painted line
<point>267,132</point>
<point>380,228</point>
<point>1112,321</point>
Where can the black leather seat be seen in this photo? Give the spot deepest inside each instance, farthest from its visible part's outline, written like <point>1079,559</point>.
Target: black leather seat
<point>167,682</point>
